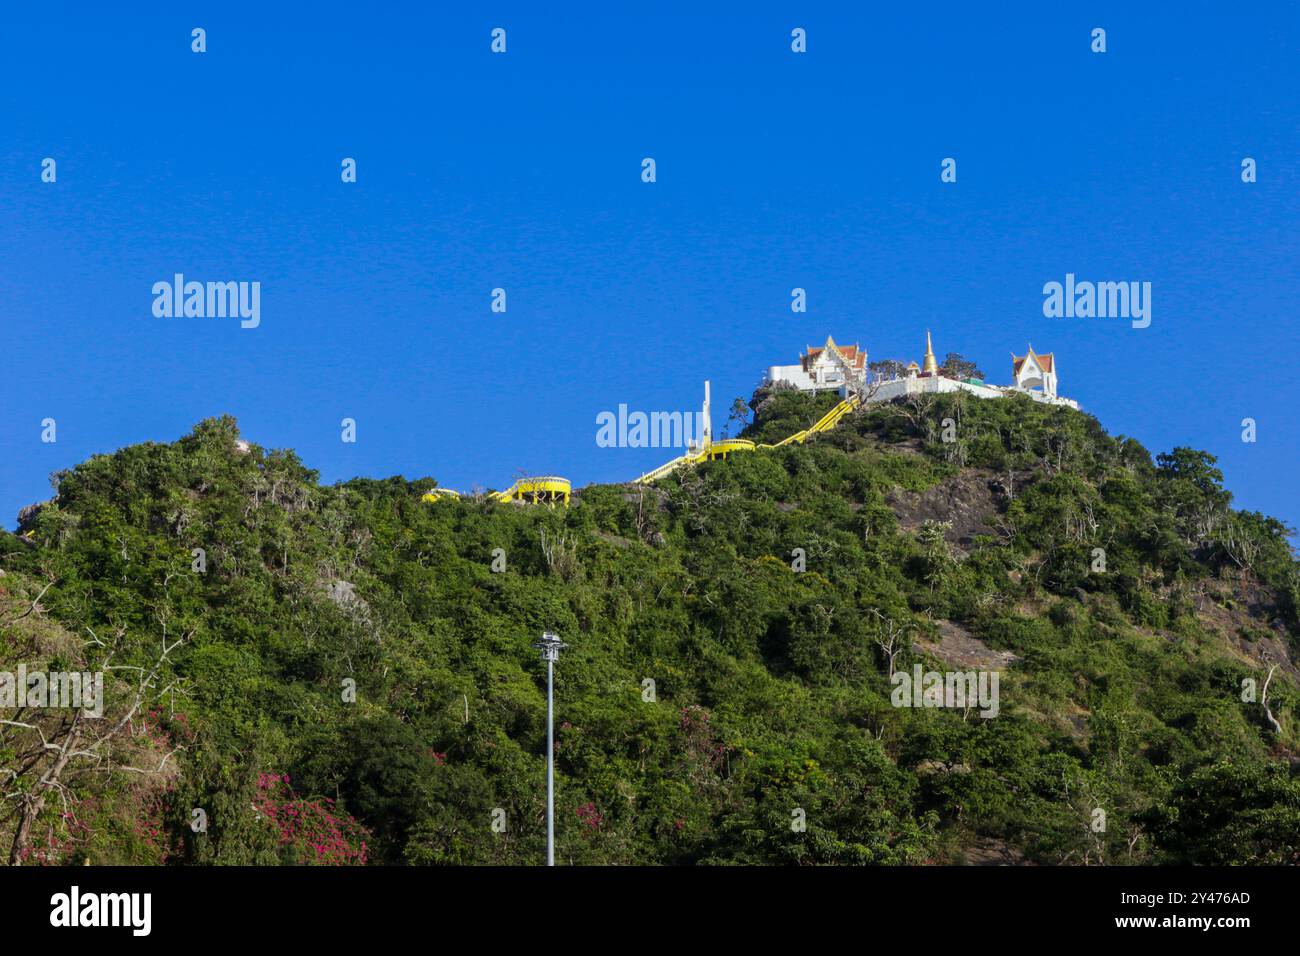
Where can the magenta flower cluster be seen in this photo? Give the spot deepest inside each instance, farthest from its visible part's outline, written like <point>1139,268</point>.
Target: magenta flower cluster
<point>313,831</point>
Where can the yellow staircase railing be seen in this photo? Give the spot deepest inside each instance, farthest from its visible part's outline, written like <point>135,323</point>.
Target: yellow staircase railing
<point>825,423</point>
<point>549,489</point>
<point>723,448</point>
<point>726,446</point>
<point>667,468</point>
<point>543,489</point>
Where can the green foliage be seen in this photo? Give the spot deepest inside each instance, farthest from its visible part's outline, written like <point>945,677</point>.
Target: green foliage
<point>956,366</point>
<point>770,700</point>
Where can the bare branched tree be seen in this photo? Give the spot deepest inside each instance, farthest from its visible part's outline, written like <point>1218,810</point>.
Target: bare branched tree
<point>892,637</point>
<point>560,552</point>
<point>1263,702</point>
<point>1242,547</point>
<point>44,748</point>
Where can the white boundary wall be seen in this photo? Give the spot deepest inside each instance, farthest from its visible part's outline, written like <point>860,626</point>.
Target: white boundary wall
<point>921,385</point>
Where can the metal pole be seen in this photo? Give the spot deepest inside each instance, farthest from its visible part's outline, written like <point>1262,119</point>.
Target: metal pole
<point>550,645</point>
<point>550,764</point>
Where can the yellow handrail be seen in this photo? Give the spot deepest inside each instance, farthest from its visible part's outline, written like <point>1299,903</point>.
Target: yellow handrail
<point>724,447</point>
<point>552,488</point>
<point>541,488</point>
<point>664,469</point>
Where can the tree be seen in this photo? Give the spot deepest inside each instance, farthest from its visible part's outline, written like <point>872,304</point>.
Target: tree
<point>44,747</point>
<point>886,370</point>
<point>739,414</point>
<point>892,637</point>
<point>1193,491</point>
<point>1232,812</point>
<point>938,555</point>
<point>957,367</point>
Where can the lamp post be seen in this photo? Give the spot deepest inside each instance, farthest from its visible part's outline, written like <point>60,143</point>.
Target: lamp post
<point>550,645</point>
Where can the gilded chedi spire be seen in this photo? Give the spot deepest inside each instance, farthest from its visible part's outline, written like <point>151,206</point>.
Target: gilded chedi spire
<point>931,367</point>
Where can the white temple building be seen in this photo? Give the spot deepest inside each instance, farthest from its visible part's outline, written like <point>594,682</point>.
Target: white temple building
<point>844,369</point>
<point>1032,371</point>
<point>831,367</point>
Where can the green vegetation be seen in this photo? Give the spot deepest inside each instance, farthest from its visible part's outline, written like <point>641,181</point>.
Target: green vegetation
<point>1121,668</point>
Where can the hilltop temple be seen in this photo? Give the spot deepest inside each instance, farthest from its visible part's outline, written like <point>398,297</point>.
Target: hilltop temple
<point>843,368</point>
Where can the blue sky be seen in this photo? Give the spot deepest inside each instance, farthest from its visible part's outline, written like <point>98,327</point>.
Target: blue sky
<point>775,170</point>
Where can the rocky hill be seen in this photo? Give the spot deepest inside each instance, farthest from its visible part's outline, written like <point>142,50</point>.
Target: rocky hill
<point>299,673</point>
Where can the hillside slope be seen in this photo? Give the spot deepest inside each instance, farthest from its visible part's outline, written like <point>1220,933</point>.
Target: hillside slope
<point>339,674</point>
